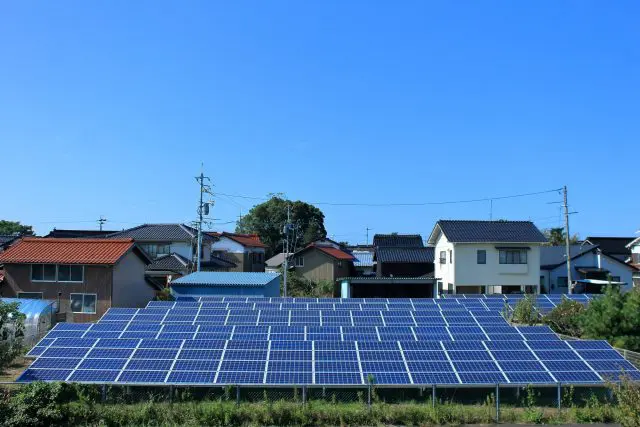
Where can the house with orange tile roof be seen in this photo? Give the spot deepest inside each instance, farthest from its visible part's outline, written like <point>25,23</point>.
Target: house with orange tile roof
<point>322,260</point>
<point>244,250</point>
<point>85,276</point>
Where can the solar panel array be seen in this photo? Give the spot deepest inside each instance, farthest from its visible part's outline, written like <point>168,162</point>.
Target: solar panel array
<point>247,341</point>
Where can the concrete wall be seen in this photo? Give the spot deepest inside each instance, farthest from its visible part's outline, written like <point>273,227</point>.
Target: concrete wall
<point>130,289</point>
<point>97,280</point>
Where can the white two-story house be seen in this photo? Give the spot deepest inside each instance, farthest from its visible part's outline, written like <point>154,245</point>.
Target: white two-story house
<point>486,256</point>
<point>634,246</point>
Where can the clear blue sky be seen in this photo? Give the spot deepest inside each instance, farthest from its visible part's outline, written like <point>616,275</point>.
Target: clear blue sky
<point>108,108</point>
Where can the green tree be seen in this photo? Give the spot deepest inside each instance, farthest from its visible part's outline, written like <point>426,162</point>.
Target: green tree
<point>565,318</point>
<point>525,312</point>
<point>298,286</point>
<point>614,317</point>
<point>12,328</point>
<point>268,219</point>
<point>14,227</point>
<point>556,237</point>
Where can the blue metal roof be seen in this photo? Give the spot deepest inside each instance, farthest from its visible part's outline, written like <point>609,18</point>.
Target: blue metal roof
<point>362,258</point>
<point>218,278</point>
<point>31,307</point>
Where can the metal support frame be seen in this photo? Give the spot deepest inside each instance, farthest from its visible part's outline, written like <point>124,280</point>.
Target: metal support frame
<point>104,393</point>
<point>237,395</point>
<point>369,396</point>
<point>497,403</point>
<point>433,396</point>
<point>170,394</point>
<point>559,396</point>
<point>304,395</point>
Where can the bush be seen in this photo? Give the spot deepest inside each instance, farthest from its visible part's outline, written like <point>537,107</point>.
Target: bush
<point>628,397</point>
<point>525,312</point>
<point>565,318</point>
<point>38,404</point>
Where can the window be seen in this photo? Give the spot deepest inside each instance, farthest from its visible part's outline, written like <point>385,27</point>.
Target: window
<point>542,281</point>
<point>443,257</point>
<point>450,256</point>
<point>70,273</point>
<point>562,281</point>
<point>43,272</point>
<point>513,256</point>
<point>298,261</point>
<point>156,250</point>
<point>30,295</point>
<point>83,303</point>
<point>481,256</point>
<point>615,278</point>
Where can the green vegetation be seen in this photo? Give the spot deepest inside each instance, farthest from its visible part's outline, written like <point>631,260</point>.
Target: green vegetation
<point>614,317</point>
<point>14,227</point>
<point>525,312</point>
<point>557,237</point>
<point>59,404</point>
<point>267,220</point>
<point>298,286</point>
<point>12,329</point>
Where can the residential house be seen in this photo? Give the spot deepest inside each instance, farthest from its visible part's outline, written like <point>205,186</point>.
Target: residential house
<point>274,264</point>
<point>72,234</point>
<point>322,260</point>
<point>402,255</point>
<point>85,276</point>
<point>591,269</point>
<point>612,246</point>
<point>244,250</point>
<point>173,250</point>
<point>363,263</point>
<point>207,283</point>
<point>634,247</point>
<point>487,256</point>
<point>7,240</point>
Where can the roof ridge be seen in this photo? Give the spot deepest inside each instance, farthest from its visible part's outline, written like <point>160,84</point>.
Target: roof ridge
<point>77,240</point>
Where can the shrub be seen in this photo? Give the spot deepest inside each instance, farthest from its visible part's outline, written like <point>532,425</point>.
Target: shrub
<point>565,318</point>
<point>525,312</point>
<point>38,404</point>
<point>628,397</point>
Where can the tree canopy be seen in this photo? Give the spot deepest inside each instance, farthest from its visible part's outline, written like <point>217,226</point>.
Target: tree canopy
<point>14,227</point>
<point>12,329</point>
<point>268,219</point>
<point>556,237</point>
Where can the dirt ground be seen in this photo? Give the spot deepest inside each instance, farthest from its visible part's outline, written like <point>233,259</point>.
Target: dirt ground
<point>15,369</point>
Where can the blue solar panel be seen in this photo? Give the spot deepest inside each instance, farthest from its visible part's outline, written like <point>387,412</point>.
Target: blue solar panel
<point>611,365</point>
<point>242,365</point>
<point>386,377</point>
<point>109,327</point>
<point>476,366</point>
<point>65,334</point>
<point>513,355</point>
<point>290,355</point>
<point>506,345</point>
<point>335,366</point>
<point>36,351</point>
<point>434,378</point>
<point>539,377</point>
<point>589,345</point>
<point>147,353</point>
<point>160,343</point>
<point>64,352</point>
<point>196,365</point>
<point>548,345</point>
<point>204,344</point>
<point>247,355</point>
<point>425,355</point>
<point>333,355</point>
<point>576,377</point>
<point>71,327</point>
<point>187,377</point>
<point>380,355</point>
<point>92,375</point>
<point>556,355</point>
<point>383,366</point>
<point>110,353</point>
<point>566,365</point>
<point>289,366</point>
<point>469,355</point>
<point>44,375</point>
<point>429,366</point>
<point>103,364</point>
<point>481,377</point>
<point>149,365</point>
<point>142,377</point>
<point>464,345</point>
<point>73,342</point>
<point>245,377</point>
<point>144,327</point>
<point>55,363</point>
<point>338,378</point>
<point>138,334</point>
<point>420,345</point>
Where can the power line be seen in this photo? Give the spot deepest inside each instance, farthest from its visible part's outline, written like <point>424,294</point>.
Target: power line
<point>449,202</point>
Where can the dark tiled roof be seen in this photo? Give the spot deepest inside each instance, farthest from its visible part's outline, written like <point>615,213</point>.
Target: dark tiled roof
<point>6,239</point>
<point>404,240</point>
<point>70,234</point>
<point>405,255</point>
<point>172,262</point>
<point>552,256</point>
<point>491,231</point>
<point>612,245</point>
<point>160,233</point>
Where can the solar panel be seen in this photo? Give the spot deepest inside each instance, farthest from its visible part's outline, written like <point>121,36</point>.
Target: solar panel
<point>196,365</point>
<point>92,375</point>
<point>338,378</point>
<point>577,377</point>
<point>191,377</point>
<point>481,377</point>
<point>244,377</point>
<point>31,375</point>
<point>142,377</point>
<point>434,378</point>
<point>540,377</point>
<point>149,365</point>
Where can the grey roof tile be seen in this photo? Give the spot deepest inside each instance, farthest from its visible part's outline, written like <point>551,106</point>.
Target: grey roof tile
<point>405,255</point>
<point>160,233</point>
<point>404,240</point>
<point>463,231</point>
<point>551,256</point>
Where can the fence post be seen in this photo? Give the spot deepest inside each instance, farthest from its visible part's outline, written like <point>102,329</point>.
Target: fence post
<point>104,393</point>
<point>497,403</point>
<point>559,396</point>
<point>237,395</point>
<point>433,396</point>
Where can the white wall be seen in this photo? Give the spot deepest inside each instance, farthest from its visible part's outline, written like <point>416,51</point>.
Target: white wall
<point>445,273</point>
<point>590,260</point>
<point>181,248</point>
<point>227,245</point>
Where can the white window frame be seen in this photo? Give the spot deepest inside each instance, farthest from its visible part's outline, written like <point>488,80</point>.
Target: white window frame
<point>83,295</point>
<point>41,295</point>
<point>68,281</point>
<point>298,261</point>
<point>506,256</point>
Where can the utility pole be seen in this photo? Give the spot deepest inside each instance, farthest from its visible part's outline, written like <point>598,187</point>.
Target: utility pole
<point>286,229</point>
<point>368,229</point>
<point>101,221</point>
<point>567,239</point>
<point>491,210</point>
<point>203,209</point>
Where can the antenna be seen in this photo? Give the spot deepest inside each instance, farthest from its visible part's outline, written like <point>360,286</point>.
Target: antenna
<point>101,221</point>
<point>368,229</point>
